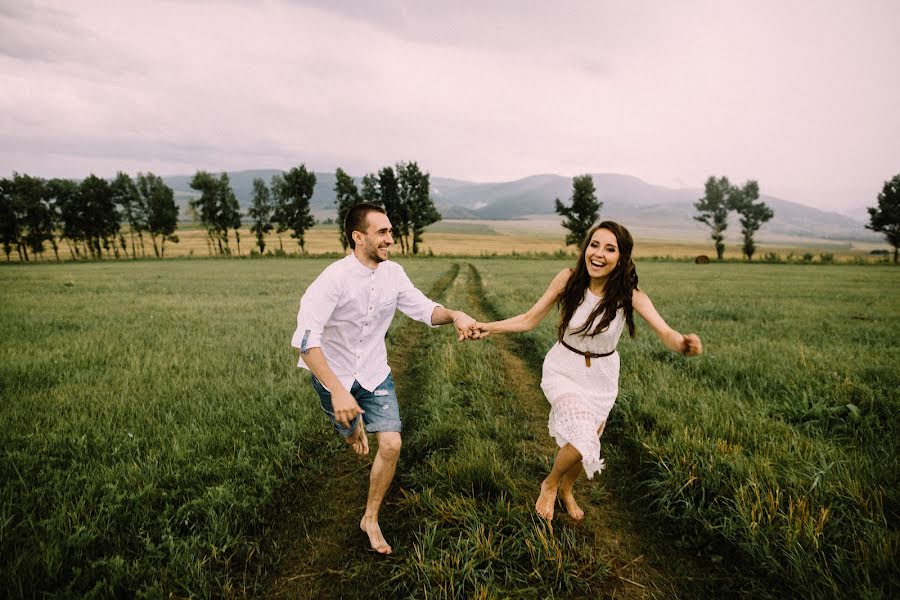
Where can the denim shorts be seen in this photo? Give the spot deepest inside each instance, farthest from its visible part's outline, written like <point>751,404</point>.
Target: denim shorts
<point>382,411</point>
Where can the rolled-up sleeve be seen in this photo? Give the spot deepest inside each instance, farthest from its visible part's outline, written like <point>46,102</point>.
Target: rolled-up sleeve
<point>316,306</point>
<point>412,302</point>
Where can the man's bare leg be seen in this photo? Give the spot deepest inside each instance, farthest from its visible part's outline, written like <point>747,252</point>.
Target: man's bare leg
<point>383,468</point>
<point>566,458</point>
<point>567,485</point>
<point>359,441</point>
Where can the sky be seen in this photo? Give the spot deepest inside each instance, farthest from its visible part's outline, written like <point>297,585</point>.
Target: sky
<point>801,95</point>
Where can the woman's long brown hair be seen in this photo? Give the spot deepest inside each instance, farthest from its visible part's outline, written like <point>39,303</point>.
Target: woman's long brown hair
<point>616,291</point>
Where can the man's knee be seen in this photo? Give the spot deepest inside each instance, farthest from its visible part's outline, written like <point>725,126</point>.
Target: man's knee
<point>389,443</point>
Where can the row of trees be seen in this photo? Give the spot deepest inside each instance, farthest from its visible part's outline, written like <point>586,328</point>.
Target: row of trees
<point>96,217</point>
<point>88,216</point>
<point>403,191</point>
<point>721,198</point>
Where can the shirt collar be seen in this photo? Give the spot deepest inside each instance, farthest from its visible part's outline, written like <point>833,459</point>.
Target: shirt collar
<point>358,267</point>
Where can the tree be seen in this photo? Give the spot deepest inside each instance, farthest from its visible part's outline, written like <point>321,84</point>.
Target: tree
<point>371,189</point>
<point>162,212</point>
<point>261,213</point>
<point>292,191</point>
<point>9,223</point>
<point>126,196</point>
<point>419,210</point>
<point>346,195</point>
<point>713,208</point>
<point>389,196</point>
<point>752,214</point>
<point>584,210</point>
<point>208,208</point>
<point>33,213</point>
<point>229,213</point>
<point>885,218</point>
<point>69,207</point>
<point>96,214</point>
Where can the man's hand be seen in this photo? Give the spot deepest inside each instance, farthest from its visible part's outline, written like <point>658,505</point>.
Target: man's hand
<point>463,324</point>
<point>692,345</point>
<point>345,407</point>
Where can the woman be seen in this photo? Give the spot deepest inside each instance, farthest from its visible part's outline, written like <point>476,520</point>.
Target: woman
<point>597,300</point>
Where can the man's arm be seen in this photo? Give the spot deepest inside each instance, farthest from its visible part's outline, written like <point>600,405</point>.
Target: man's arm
<point>460,320</point>
<point>344,405</point>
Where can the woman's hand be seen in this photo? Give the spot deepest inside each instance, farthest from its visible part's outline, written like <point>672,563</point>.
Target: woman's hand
<point>479,330</point>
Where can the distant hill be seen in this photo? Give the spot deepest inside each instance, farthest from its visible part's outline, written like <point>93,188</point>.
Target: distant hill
<point>625,198</point>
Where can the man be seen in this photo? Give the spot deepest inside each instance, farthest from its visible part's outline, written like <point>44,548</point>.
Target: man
<point>344,315</point>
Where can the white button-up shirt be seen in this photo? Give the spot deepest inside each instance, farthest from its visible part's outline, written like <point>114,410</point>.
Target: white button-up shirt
<point>346,312</point>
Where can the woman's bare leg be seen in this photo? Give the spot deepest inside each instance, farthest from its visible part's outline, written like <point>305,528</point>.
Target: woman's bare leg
<point>566,458</point>
<point>567,485</point>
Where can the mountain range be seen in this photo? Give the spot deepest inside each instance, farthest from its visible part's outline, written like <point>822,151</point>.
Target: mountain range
<point>625,198</point>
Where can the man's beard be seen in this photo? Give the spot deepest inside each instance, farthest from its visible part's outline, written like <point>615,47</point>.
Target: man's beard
<point>373,254</point>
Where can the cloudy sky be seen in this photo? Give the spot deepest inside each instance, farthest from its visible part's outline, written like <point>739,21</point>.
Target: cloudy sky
<point>801,95</point>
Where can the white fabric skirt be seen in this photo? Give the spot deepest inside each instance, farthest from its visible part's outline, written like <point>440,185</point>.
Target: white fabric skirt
<point>581,398</point>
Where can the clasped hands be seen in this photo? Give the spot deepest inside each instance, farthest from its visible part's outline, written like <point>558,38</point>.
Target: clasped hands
<point>468,328</point>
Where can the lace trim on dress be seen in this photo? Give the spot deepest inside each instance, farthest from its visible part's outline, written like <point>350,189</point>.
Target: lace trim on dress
<point>572,421</point>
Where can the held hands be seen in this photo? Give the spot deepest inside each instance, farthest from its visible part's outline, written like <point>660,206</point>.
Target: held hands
<point>468,328</point>
<point>478,331</point>
<point>463,324</point>
<point>691,345</point>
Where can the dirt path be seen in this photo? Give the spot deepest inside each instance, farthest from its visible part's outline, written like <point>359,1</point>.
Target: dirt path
<point>646,562</point>
<point>610,524</point>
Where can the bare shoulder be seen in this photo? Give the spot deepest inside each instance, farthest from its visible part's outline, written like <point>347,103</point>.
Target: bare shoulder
<point>560,280</point>
<point>563,276</point>
<point>639,298</point>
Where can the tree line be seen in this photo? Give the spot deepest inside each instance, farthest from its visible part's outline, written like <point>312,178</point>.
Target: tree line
<point>719,200</point>
<point>402,190</point>
<point>97,218</point>
<point>721,197</point>
<point>88,216</point>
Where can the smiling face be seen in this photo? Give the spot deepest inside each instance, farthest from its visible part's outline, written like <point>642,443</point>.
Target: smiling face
<point>602,254</point>
<point>372,246</point>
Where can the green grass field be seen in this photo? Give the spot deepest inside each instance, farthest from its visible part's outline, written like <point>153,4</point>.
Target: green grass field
<point>152,416</point>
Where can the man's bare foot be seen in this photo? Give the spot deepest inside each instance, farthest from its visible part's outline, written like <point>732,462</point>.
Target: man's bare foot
<point>359,441</point>
<point>571,506</point>
<point>373,530</point>
<point>546,501</point>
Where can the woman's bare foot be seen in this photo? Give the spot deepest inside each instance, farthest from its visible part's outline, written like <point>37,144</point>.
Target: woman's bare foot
<point>546,501</point>
<point>373,530</point>
<point>571,506</point>
<point>359,441</point>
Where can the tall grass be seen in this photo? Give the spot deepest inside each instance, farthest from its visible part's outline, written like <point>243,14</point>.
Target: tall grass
<point>782,440</point>
<point>150,414</point>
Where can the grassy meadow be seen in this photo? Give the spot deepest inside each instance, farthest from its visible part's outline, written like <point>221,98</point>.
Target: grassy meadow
<point>152,417</point>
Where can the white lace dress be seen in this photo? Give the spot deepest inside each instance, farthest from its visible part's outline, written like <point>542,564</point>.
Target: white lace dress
<point>581,396</point>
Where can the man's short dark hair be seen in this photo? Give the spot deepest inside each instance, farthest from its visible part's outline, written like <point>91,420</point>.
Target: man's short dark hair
<point>356,219</point>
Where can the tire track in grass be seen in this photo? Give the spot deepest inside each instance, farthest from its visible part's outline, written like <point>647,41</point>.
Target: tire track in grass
<point>648,560</point>
<point>324,554</point>
<point>609,527</point>
<point>644,565</point>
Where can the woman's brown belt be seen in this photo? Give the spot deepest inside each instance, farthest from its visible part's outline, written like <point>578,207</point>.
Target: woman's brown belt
<point>587,355</point>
